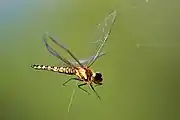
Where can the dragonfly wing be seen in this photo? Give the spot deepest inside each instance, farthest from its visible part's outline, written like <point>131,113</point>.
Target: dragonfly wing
<point>104,30</point>
<point>84,61</point>
<point>53,52</point>
<point>66,49</point>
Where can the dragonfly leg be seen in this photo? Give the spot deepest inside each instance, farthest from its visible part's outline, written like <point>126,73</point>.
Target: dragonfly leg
<point>95,91</point>
<point>70,80</point>
<point>80,86</point>
<point>97,85</point>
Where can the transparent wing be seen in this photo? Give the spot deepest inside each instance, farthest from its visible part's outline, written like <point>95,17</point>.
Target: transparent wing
<point>83,61</point>
<point>56,54</point>
<point>105,30</point>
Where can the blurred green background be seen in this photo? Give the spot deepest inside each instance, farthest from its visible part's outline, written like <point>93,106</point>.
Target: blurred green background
<point>141,68</point>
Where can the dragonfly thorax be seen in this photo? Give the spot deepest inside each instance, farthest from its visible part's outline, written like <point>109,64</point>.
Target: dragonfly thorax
<point>84,74</point>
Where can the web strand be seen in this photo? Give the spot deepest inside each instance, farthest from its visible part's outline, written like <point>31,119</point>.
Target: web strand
<point>71,99</point>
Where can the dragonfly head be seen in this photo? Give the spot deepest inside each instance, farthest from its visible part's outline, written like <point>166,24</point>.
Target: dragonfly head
<point>97,78</point>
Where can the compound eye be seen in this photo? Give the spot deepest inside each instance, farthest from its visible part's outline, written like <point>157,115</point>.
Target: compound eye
<point>98,76</point>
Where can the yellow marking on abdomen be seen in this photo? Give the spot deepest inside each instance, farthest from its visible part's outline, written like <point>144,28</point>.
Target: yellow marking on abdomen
<point>66,70</point>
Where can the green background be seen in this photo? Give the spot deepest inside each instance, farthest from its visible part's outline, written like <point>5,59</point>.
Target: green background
<point>141,69</point>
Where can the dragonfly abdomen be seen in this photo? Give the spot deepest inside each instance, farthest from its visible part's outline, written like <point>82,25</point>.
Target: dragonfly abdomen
<point>66,70</point>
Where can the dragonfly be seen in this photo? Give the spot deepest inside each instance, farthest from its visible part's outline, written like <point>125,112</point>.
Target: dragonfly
<point>81,69</point>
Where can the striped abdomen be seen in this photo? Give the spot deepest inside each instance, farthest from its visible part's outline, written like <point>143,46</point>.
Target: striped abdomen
<point>66,70</point>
